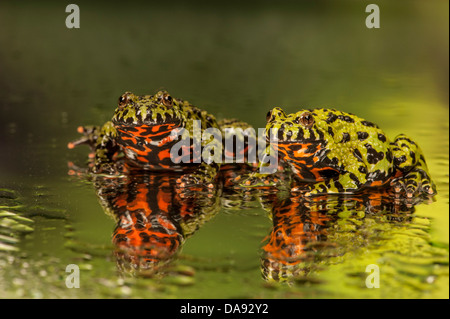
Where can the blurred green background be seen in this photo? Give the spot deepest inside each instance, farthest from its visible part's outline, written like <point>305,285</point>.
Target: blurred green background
<point>232,58</point>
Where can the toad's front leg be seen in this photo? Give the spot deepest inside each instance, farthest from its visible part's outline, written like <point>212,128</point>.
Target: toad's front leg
<point>205,176</point>
<point>106,149</point>
<point>412,177</point>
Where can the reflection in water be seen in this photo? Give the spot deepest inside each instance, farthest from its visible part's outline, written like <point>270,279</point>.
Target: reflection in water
<point>307,232</point>
<point>153,217</point>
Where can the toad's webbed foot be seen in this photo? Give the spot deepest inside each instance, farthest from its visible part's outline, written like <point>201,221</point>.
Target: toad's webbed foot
<point>415,183</point>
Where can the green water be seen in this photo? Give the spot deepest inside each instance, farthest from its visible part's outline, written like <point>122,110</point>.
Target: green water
<point>234,60</point>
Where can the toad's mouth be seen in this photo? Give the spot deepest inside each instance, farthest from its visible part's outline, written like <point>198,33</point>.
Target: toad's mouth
<point>282,137</point>
<point>287,135</point>
<point>148,119</point>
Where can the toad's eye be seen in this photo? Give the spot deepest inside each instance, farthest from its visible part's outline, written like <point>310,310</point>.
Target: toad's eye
<point>123,100</point>
<point>167,100</point>
<point>269,115</point>
<point>306,119</point>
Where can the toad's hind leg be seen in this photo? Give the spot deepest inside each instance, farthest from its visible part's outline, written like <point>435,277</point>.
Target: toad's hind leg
<point>412,175</point>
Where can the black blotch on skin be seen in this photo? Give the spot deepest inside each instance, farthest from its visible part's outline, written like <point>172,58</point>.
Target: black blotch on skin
<point>307,174</point>
<point>312,148</point>
<point>362,169</point>
<point>329,173</point>
<point>382,137</point>
<point>335,161</point>
<point>125,113</point>
<point>295,147</point>
<point>345,137</point>
<point>138,145</point>
<point>404,138</point>
<point>339,186</point>
<point>131,129</point>
<point>358,155</point>
<point>367,123</point>
<point>354,178</point>
<point>312,135</point>
<point>346,118</point>
<point>399,160</point>
<point>321,135</point>
<point>389,156</point>
<point>411,182</point>
<point>280,134</point>
<point>323,189</point>
<point>413,156</point>
<point>331,118</point>
<point>147,131</point>
<point>373,156</point>
<point>330,131</point>
<point>362,135</point>
<point>372,176</point>
<point>300,134</point>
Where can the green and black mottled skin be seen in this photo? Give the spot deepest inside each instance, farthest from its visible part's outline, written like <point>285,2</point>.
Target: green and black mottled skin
<point>143,131</point>
<point>330,151</point>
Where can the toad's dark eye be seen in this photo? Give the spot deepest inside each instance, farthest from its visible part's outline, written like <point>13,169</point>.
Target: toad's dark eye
<point>123,100</point>
<point>269,115</point>
<point>306,119</point>
<point>167,100</point>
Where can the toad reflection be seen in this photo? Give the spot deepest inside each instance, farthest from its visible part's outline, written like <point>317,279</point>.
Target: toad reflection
<point>306,233</point>
<point>153,218</point>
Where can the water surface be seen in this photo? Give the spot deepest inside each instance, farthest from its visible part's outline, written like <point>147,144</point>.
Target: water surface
<point>235,61</point>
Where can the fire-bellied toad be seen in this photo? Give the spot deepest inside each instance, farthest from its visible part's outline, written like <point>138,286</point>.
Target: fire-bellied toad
<point>331,151</point>
<point>143,132</point>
